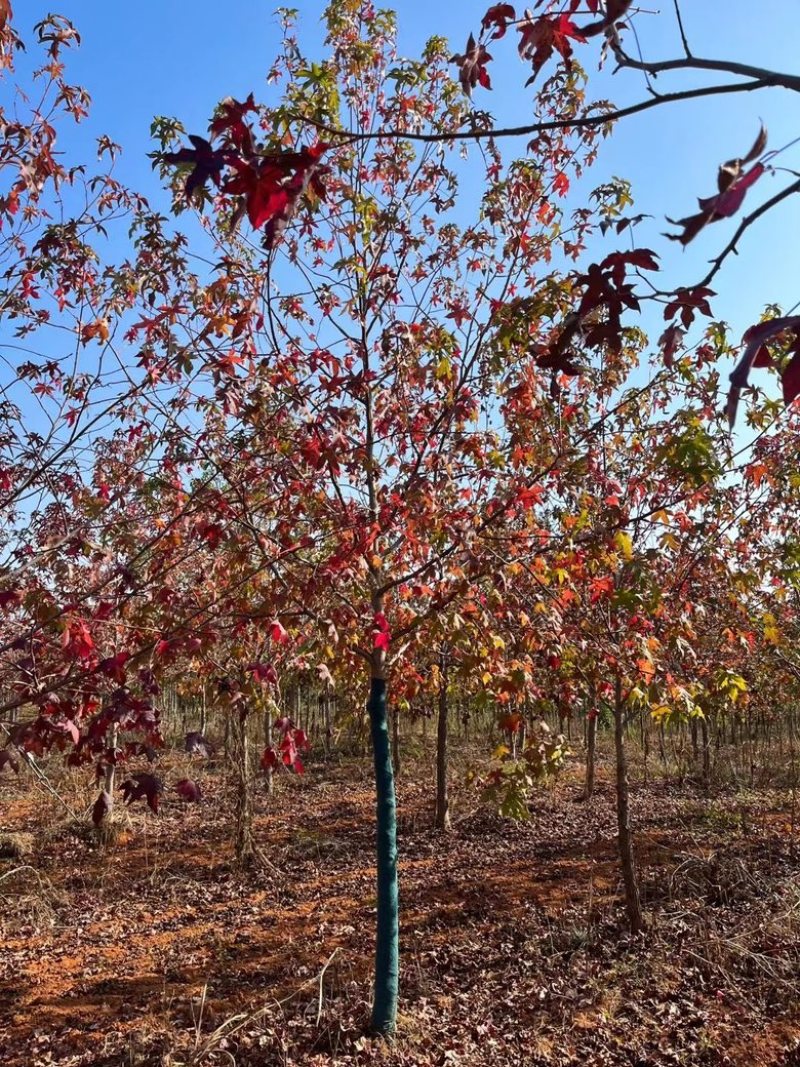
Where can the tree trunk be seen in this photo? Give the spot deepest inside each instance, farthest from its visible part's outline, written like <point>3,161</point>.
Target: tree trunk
<point>396,741</point>
<point>244,800</point>
<point>591,743</point>
<point>442,821</point>
<point>268,742</point>
<point>706,752</point>
<point>624,837</point>
<point>111,767</point>
<point>384,1006</point>
<point>203,711</point>
<point>328,726</point>
<point>109,784</point>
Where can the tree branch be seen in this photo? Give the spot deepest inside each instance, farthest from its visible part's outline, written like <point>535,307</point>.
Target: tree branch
<point>746,222</point>
<point>578,123</point>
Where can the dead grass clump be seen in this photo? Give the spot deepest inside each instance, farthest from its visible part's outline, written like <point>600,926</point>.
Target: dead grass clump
<point>718,879</point>
<point>17,846</point>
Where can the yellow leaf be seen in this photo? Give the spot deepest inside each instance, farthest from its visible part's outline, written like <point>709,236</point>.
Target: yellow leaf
<point>624,544</point>
<point>444,369</point>
<point>771,632</point>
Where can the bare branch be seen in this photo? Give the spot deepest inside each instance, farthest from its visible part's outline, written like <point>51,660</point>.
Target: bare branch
<point>578,123</point>
<point>746,222</point>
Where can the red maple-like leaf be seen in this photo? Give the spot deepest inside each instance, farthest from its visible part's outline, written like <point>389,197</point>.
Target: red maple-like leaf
<point>733,182</point>
<point>381,634</point>
<point>756,354</point>
<point>10,597</point>
<point>511,722</point>
<point>66,728</point>
<point>472,66</point>
<point>230,123</point>
<point>689,302</point>
<point>670,341</point>
<point>270,760</point>
<point>143,786</point>
<point>790,379</point>
<point>114,666</point>
<point>262,187</point>
<point>188,790</point>
<point>541,37</point>
<point>498,16</point>
<point>278,633</point>
<point>206,161</point>
<point>264,673</point>
<point>76,640</point>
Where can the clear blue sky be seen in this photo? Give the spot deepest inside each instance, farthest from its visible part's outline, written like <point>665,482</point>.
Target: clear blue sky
<point>179,58</point>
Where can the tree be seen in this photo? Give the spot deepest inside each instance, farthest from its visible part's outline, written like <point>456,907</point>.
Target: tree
<point>400,346</point>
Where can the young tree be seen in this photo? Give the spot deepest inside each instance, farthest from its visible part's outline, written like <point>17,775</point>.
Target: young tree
<point>407,334</point>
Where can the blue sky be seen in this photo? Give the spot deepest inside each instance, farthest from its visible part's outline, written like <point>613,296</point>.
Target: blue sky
<point>178,58</point>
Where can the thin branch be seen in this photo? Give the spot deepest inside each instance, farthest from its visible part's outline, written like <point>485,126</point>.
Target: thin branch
<point>578,123</point>
<point>746,222</point>
<point>773,78</point>
<point>684,39</point>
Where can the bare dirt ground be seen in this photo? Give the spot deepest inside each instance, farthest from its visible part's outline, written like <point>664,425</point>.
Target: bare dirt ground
<point>156,951</point>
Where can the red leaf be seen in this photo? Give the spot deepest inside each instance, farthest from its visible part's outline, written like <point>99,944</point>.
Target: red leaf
<point>728,202</point>
<point>540,37</point>
<point>381,634</point>
<point>689,301</point>
<point>143,786</point>
<point>670,341</point>
<point>498,16</point>
<point>754,340</point>
<point>733,188</point>
<point>264,673</point>
<point>278,633</point>
<point>114,666</point>
<point>269,759</point>
<point>511,722</point>
<point>301,740</point>
<point>10,598</point>
<point>472,66</point>
<point>207,163</point>
<point>77,641</point>
<point>530,496</point>
<point>67,727</point>
<point>230,122</point>
<point>262,189</point>
<point>188,790</point>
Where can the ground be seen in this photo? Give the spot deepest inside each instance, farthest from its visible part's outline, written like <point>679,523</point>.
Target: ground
<point>154,950</point>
